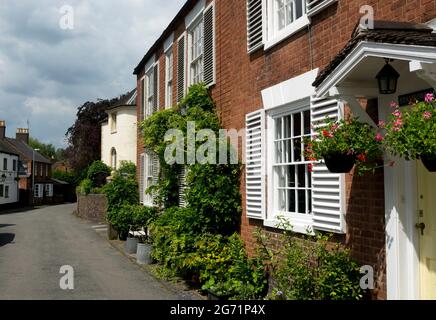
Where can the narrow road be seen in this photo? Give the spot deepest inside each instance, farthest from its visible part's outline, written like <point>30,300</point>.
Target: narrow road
<point>34,245</point>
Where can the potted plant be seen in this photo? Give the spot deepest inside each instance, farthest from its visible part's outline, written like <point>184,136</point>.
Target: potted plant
<point>411,133</point>
<point>143,216</point>
<point>345,144</point>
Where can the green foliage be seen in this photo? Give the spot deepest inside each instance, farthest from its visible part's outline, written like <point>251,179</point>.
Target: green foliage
<point>47,150</point>
<point>182,245</point>
<point>348,137</point>
<point>121,191</point>
<point>85,187</point>
<point>69,177</point>
<point>131,217</point>
<point>225,268</point>
<point>412,132</point>
<point>198,96</point>
<point>98,172</point>
<point>127,169</point>
<point>310,268</point>
<point>213,192</point>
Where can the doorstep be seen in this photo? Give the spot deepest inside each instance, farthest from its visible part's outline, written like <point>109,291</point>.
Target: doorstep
<point>179,287</point>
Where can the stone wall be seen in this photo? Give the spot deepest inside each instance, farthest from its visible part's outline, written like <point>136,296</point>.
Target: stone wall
<point>92,207</point>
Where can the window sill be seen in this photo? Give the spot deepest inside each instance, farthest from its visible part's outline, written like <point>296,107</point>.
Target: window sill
<point>301,224</point>
<point>287,32</point>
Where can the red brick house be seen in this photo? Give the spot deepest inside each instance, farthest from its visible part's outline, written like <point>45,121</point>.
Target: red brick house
<point>35,184</point>
<point>275,67</point>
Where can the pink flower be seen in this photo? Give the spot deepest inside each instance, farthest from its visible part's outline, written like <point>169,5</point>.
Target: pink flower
<point>381,124</point>
<point>427,115</point>
<point>397,113</point>
<point>398,122</point>
<point>394,105</point>
<point>378,137</point>
<point>396,129</point>
<point>429,97</point>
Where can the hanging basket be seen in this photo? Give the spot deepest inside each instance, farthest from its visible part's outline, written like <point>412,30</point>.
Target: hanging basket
<point>339,162</point>
<point>429,161</point>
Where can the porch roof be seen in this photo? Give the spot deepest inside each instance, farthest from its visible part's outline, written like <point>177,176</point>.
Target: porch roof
<point>390,32</point>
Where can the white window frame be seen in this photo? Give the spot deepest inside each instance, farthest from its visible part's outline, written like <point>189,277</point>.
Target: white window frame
<point>271,31</point>
<point>301,223</point>
<point>38,192</point>
<point>149,179</point>
<point>169,77</point>
<point>198,60</point>
<point>49,190</point>
<point>149,92</point>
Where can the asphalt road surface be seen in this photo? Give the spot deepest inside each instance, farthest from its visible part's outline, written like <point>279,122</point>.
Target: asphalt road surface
<point>34,245</point>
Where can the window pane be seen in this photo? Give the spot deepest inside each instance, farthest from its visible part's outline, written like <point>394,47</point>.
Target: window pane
<point>301,201</point>
<point>291,200</point>
<point>291,176</point>
<point>288,148</point>
<point>281,172</point>
<point>297,124</point>
<point>288,126</point>
<point>297,150</point>
<point>307,122</point>
<point>278,128</point>
<point>299,8</point>
<point>282,201</point>
<point>301,176</point>
<point>309,200</point>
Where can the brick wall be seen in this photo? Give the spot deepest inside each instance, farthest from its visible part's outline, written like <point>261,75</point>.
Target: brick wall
<point>241,77</point>
<point>92,207</point>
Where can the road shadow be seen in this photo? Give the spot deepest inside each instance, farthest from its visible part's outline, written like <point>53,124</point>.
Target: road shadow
<point>6,238</point>
<point>17,210</point>
<point>6,225</point>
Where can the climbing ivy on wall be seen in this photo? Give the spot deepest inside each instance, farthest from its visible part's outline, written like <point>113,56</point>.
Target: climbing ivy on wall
<point>212,189</point>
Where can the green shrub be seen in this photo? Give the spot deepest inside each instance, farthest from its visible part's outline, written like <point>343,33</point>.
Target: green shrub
<point>85,187</point>
<point>225,268</point>
<point>97,173</point>
<point>213,192</point>
<point>310,268</point>
<point>121,191</point>
<point>127,169</point>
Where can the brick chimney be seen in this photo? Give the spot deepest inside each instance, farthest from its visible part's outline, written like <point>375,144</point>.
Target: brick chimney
<point>23,135</point>
<point>2,129</point>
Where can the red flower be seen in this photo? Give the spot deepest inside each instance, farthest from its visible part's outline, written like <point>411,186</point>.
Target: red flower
<point>310,167</point>
<point>325,133</point>
<point>362,157</point>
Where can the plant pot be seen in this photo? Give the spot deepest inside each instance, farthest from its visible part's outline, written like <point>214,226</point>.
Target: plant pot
<point>130,246</point>
<point>143,254</point>
<point>339,162</point>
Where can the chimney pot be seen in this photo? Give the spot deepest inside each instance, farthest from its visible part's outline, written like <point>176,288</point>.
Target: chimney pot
<point>2,129</point>
<point>23,135</point>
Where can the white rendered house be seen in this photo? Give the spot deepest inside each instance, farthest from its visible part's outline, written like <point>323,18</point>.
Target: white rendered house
<point>119,132</point>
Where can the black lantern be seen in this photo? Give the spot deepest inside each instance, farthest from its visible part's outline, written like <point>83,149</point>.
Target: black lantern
<point>387,79</point>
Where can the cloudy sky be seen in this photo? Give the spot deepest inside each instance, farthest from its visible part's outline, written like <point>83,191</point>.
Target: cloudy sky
<point>47,71</point>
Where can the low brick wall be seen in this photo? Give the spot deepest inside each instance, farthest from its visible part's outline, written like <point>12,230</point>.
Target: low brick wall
<point>92,207</point>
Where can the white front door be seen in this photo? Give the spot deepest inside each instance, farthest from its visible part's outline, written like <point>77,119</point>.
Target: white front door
<point>426,225</point>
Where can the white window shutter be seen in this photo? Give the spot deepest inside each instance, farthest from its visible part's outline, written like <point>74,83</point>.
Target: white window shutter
<point>209,45</point>
<point>181,46</point>
<point>328,205</point>
<point>143,97</point>
<point>315,6</point>
<point>254,25</point>
<point>141,178</point>
<point>182,187</point>
<point>155,88</point>
<point>254,164</point>
<point>156,167</point>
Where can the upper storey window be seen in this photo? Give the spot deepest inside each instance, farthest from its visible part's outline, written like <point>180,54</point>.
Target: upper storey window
<point>196,52</point>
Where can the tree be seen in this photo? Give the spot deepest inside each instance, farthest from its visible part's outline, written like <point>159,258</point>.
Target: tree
<point>47,150</point>
<point>84,136</point>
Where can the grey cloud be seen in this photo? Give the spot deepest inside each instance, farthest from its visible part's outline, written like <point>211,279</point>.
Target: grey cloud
<point>41,64</point>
